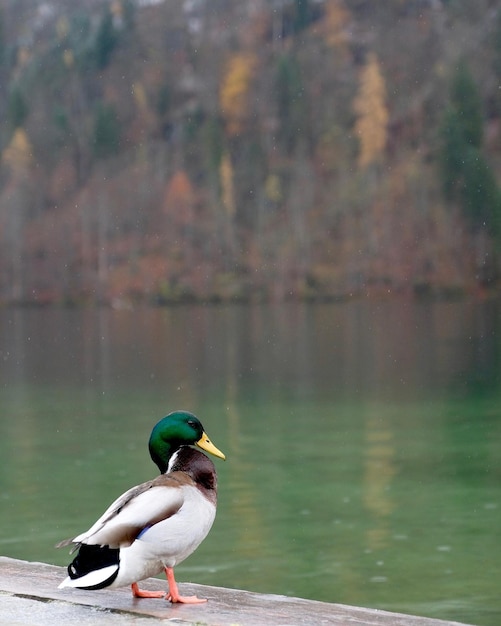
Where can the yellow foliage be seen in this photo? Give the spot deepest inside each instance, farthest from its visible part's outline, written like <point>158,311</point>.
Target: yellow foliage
<point>234,89</point>
<point>62,27</point>
<point>273,188</point>
<point>68,57</point>
<point>19,153</point>
<point>372,112</point>
<point>227,187</point>
<point>336,20</point>
<point>140,97</point>
<point>144,120</point>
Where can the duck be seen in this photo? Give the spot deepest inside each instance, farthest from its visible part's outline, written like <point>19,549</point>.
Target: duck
<point>153,526</point>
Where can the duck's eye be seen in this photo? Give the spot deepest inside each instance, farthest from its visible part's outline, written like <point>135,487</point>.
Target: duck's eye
<point>191,423</point>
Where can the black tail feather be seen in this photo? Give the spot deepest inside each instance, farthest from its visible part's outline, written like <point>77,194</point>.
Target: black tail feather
<point>92,558</point>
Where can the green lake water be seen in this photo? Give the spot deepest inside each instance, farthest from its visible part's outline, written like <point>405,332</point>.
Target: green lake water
<point>363,442</point>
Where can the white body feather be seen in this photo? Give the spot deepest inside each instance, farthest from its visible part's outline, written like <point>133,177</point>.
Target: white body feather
<point>167,543</point>
<point>139,511</point>
<point>174,521</point>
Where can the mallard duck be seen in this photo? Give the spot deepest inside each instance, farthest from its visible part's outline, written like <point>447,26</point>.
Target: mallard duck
<point>156,525</point>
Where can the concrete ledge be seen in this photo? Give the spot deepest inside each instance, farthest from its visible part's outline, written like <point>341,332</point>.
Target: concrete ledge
<point>29,595</point>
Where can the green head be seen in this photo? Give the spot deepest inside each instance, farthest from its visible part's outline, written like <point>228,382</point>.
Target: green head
<point>177,429</point>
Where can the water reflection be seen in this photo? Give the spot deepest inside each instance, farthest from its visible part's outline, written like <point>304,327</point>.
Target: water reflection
<point>380,349</point>
<point>362,441</point>
<point>379,472</point>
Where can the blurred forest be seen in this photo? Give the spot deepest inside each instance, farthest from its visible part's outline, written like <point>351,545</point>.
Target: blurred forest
<point>158,151</point>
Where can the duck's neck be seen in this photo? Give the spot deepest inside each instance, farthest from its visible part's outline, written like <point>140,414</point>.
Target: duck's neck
<point>161,452</point>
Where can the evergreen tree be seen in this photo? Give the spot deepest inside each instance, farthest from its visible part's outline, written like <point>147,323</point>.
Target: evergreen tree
<point>213,141</point>
<point>291,102</point>
<point>466,175</point>
<point>496,64</point>
<point>3,45</point>
<point>17,109</point>
<point>467,106</point>
<point>106,136</point>
<point>302,15</point>
<point>106,40</point>
<point>479,194</point>
<point>452,142</point>
<point>129,15</point>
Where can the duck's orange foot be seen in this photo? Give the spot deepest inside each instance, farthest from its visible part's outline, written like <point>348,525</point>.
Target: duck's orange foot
<point>185,599</point>
<point>143,593</point>
<point>174,595</point>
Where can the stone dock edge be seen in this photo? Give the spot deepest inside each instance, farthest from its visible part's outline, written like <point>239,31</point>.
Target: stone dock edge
<point>29,596</point>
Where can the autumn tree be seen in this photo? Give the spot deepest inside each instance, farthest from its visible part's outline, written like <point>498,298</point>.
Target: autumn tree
<point>234,91</point>
<point>179,199</point>
<point>229,127</point>
<point>336,19</point>
<point>227,185</point>
<point>18,155</point>
<point>179,209</point>
<point>371,126</point>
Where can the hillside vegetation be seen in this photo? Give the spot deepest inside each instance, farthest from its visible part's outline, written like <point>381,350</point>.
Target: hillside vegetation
<point>232,150</point>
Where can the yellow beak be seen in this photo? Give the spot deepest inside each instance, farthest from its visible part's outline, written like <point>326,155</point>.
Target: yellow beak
<point>206,444</point>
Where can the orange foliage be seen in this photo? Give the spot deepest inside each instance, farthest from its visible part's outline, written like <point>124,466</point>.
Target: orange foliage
<point>179,191</point>
<point>135,280</point>
<point>179,198</point>
<point>227,185</point>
